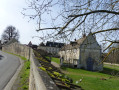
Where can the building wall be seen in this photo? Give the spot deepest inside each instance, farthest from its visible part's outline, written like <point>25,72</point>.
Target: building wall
<point>94,54</point>
<point>70,55</point>
<point>52,50</point>
<point>88,49</point>
<point>42,47</point>
<point>90,43</point>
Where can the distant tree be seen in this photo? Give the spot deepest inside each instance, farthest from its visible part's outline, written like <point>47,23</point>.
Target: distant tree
<point>114,55</point>
<point>9,33</point>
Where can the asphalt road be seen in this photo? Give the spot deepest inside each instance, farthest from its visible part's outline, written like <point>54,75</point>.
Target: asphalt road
<point>8,66</point>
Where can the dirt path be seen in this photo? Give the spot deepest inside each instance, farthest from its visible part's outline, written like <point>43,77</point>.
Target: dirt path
<point>111,64</point>
<point>55,64</point>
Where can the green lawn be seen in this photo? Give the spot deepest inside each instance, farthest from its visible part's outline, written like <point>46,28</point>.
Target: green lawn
<point>57,60</point>
<point>94,80</point>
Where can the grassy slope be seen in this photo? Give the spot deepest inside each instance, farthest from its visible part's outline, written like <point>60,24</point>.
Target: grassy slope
<point>24,76</point>
<point>92,80</point>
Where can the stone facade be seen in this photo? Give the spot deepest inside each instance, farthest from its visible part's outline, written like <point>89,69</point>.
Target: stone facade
<point>51,47</point>
<point>84,53</point>
<point>18,49</point>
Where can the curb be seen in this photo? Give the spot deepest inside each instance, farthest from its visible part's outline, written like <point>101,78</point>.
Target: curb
<point>12,80</point>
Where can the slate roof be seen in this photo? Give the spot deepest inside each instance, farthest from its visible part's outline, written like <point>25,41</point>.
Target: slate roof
<point>42,44</point>
<point>80,41</point>
<point>75,44</point>
<point>30,44</point>
<point>54,44</point>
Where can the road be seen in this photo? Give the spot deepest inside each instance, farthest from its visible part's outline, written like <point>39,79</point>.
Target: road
<point>8,67</point>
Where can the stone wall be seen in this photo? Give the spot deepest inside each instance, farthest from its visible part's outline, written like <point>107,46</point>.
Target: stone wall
<point>52,50</point>
<point>18,49</point>
<point>70,55</point>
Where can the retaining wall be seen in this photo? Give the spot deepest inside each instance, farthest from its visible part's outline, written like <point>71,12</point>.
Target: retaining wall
<point>18,49</point>
<point>35,80</point>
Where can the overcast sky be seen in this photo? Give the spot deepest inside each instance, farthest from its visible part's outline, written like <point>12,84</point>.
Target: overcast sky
<point>10,14</point>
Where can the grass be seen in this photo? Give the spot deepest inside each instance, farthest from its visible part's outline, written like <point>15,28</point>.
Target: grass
<point>24,76</point>
<point>22,82</point>
<point>57,60</point>
<point>94,80</point>
<point>23,58</point>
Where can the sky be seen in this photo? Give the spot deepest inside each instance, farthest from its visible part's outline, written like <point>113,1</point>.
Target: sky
<point>10,14</point>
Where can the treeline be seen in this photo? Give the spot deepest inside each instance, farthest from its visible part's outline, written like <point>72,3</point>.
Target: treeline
<point>113,57</point>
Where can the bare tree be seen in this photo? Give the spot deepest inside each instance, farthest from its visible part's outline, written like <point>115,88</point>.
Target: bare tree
<point>9,33</point>
<point>114,54</point>
<point>72,18</point>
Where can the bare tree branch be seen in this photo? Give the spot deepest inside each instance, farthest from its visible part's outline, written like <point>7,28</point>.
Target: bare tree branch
<point>66,25</point>
<point>48,28</point>
<point>112,41</point>
<point>112,29</point>
<point>108,46</point>
<point>108,54</point>
<point>96,11</point>
<point>73,17</point>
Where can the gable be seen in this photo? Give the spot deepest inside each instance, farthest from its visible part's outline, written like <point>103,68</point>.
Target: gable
<point>90,42</point>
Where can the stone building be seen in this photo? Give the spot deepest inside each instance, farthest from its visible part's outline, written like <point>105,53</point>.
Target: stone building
<point>51,47</point>
<point>84,53</point>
